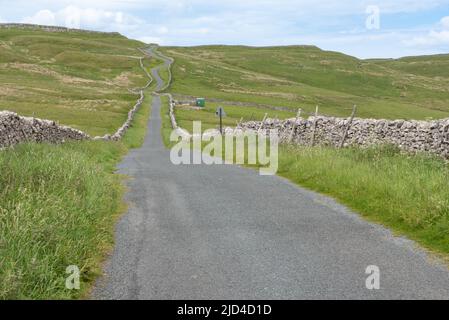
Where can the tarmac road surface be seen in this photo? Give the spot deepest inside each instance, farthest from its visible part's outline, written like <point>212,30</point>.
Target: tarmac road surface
<point>225,232</point>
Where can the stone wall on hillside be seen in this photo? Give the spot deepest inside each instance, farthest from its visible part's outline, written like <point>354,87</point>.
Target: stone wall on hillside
<point>15,129</point>
<point>412,136</point>
<point>48,28</point>
<point>118,135</point>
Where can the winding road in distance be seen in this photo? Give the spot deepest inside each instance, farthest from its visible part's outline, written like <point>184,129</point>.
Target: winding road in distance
<point>225,232</point>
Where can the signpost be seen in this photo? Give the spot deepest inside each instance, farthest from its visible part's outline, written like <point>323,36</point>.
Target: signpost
<point>220,113</point>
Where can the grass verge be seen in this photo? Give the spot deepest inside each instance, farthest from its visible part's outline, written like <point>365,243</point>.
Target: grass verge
<point>166,128</point>
<point>406,193</point>
<point>58,208</point>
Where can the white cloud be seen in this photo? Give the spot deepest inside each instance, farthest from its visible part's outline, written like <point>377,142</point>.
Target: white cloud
<point>435,37</point>
<point>151,40</point>
<point>431,39</point>
<point>45,17</point>
<point>287,6</point>
<point>162,30</point>
<point>331,24</point>
<point>445,22</point>
<point>96,19</point>
<point>116,5</point>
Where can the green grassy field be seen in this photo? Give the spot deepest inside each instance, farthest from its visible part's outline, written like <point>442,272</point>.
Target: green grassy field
<point>79,79</point>
<point>305,76</point>
<point>406,193</point>
<point>234,114</point>
<point>59,203</point>
<point>58,206</point>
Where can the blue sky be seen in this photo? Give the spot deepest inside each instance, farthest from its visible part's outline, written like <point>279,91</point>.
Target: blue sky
<point>406,27</point>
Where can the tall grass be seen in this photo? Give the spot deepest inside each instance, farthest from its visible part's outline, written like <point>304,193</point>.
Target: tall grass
<point>58,205</point>
<point>166,128</point>
<point>134,137</point>
<point>58,202</point>
<point>406,193</point>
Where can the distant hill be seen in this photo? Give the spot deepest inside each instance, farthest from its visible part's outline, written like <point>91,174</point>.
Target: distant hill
<point>48,28</point>
<point>79,78</point>
<point>306,76</point>
<point>34,59</point>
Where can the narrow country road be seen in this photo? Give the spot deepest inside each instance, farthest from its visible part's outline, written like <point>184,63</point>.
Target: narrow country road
<point>224,232</point>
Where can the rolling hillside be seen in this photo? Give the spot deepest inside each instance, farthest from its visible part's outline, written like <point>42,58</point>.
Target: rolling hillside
<point>305,76</point>
<point>406,193</point>
<point>58,203</point>
<point>80,79</point>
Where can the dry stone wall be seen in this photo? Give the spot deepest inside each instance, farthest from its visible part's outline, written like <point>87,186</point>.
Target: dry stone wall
<point>49,28</point>
<point>118,135</point>
<point>15,129</point>
<point>171,111</point>
<point>410,136</point>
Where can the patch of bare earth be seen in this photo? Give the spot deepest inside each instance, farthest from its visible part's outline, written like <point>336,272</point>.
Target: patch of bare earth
<point>31,68</point>
<point>5,45</point>
<point>6,91</point>
<point>288,96</point>
<point>38,69</point>
<point>122,80</point>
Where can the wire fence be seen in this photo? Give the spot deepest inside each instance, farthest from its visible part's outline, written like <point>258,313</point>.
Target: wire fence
<point>301,113</point>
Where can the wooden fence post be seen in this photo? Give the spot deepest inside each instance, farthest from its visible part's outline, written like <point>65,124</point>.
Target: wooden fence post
<point>342,143</point>
<point>240,122</point>
<point>238,125</point>
<point>298,115</point>
<point>314,126</point>
<point>262,123</point>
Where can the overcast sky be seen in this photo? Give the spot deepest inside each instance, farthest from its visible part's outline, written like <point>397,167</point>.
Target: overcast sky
<point>365,29</point>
